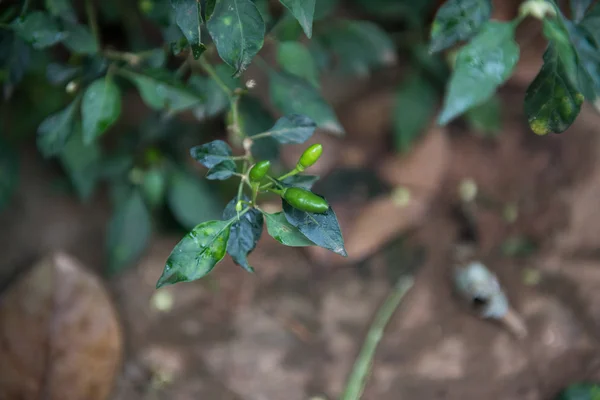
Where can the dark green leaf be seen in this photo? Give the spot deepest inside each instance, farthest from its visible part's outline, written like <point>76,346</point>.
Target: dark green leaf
<point>100,108</point>
<point>155,58</point>
<point>58,74</point>
<point>556,33</point>
<point>39,29</point>
<point>588,56</point>
<point>292,95</point>
<point>238,30</point>
<point>458,20</point>
<point>189,20</point>
<point>15,57</point>
<point>197,253</point>
<point>322,229</point>
<point>591,22</point>
<point>216,100</point>
<point>416,100</point>
<point>343,38</point>
<point>580,391</point>
<point>128,233</point>
<point>81,163</point>
<point>80,39</point>
<point>293,128</point>
<point>245,233</point>
<point>296,59</point>
<point>212,153</point>
<point>404,10</point>
<point>221,171</point>
<point>154,186</point>
<point>208,7</point>
<point>61,9</point>
<point>552,103</point>
<point>481,66</point>
<point>284,232</point>
<point>160,90</point>
<point>9,172</point>
<point>191,201</point>
<point>263,8</point>
<point>253,119</point>
<point>303,11</point>
<point>579,7</point>
<point>486,118</point>
<point>53,132</point>
<point>303,181</point>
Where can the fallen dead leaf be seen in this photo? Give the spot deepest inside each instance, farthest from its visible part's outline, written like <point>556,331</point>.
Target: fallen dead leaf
<point>59,334</point>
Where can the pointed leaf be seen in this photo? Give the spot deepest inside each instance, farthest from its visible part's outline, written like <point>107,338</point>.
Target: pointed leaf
<point>80,39</point>
<point>292,95</point>
<point>212,153</point>
<point>154,186</point>
<point>285,233</point>
<point>128,233</point>
<point>296,59</point>
<point>54,131</point>
<point>15,58</point>
<point>588,61</point>
<point>81,163</point>
<point>222,171</point>
<point>9,172</point>
<point>322,229</point>
<point>458,20</point>
<point>39,29</point>
<point>551,102</point>
<point>302,181</point>
<point>293,128</point>
<point>197,253</point>
<point>100,108</point>
<point>578,8</point>
<point>61,9</point>
<point>58,74</point>
<point>160,90</point>
<point>245,233</point>
<point>238,30</point>
<point>303,11</point>
<point>190,200</point>
<point>189,20</point>
<point>481,66</point>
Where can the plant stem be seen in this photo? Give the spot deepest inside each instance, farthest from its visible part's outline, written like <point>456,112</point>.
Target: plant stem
<point>213,74</point>
<point>358,377</point>
<point>267,186</point>
<point>130,58</point>
<point>92,20</point>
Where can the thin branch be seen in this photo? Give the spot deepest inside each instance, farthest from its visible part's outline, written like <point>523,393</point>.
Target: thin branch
<point>92,20</point>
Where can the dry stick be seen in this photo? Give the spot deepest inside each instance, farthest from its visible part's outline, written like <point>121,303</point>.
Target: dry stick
<point>362,366</point>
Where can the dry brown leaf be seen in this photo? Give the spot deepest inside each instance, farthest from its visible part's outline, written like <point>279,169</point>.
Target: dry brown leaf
<point>59,335</point>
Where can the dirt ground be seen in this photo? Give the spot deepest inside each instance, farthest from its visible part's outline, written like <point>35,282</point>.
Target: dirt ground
<point>292,330</point>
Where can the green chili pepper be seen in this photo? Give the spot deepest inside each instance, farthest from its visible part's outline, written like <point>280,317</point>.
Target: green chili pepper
<point>310,156</point>
<point>259,170</point>
<point>305,200</point>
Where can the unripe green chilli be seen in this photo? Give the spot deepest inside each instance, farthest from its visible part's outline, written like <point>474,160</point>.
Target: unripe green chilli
<point>310,156</point>
<point>259,170</point>
<point>305,200</point>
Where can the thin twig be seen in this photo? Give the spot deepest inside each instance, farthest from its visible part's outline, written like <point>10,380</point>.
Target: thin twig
<point>213,74</point>
<point>92,20</point>
<point>360,372</point>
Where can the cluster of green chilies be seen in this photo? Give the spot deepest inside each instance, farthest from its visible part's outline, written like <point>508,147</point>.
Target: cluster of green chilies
<point>299,198</point>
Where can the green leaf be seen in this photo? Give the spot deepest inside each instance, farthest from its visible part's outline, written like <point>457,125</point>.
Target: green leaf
<point>552,103</point>
<point>578,8</point>
<point>53,132</point>
<point>588,59</point>
<point>238,30</point>
<point>303,181</point>
<point>208,8</point>
<point>486,118</point>
<point>296,59</point>
<point>254,118</point>
<point>212,153</point>
<point>216,100</point>
<point>189,20</point>
<point>58,74</point>
<point>81,163</point>
<point>591,22</point>
<point>303,11</point>
<point>580,391</point>
<point>80,39</point>
<point>39,29</point>
<point>154,186</point>
<point>324,8</point>
<point>160,90</point>
<point>197,253</point>
<point>458,20</point>
<point>481,66</point>
<point>400,10</point>
<point>557,34</point>
<point>245,233</point>
<point>343,38</point>
<point>285,233</point>
<point>100,108</point>
<point>293,128</point>
<point>128,233</point>
<point>191,200</point>
<point>61,9</point>
<point>15,58</point>
<point>9,172</point>
<point>322,229</point>
<point>416,100</point>
<point>292,95</point>
<point>221,171</point>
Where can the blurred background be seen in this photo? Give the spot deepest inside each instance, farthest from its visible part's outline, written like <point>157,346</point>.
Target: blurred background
<point>77,323</point>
